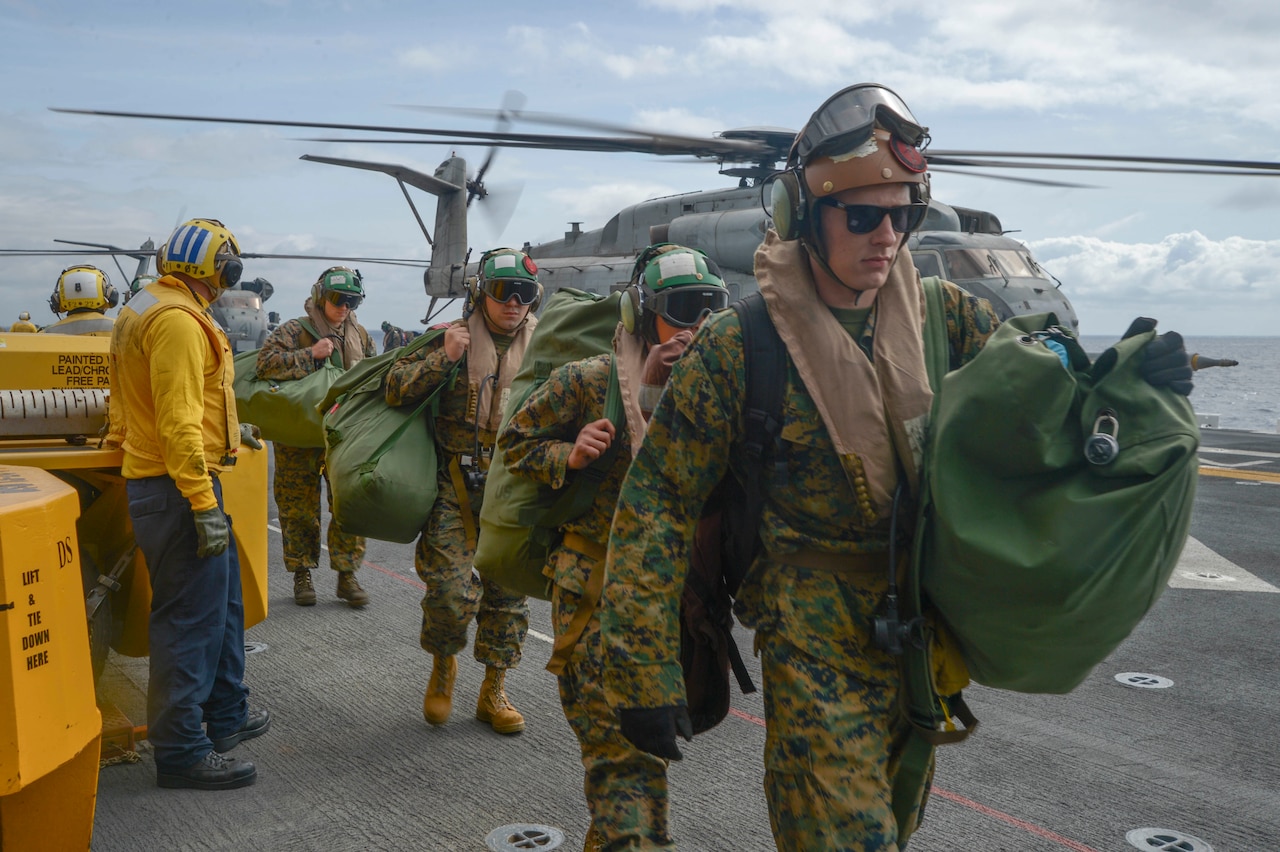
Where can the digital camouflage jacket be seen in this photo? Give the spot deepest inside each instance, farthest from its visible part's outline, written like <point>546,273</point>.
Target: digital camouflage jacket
<point>286,353</point>
<point>694,437</point>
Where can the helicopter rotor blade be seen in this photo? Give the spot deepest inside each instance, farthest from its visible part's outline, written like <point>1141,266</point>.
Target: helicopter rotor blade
<point>650,143</point>
<point>997,164</point>
<point>500,205</point>
<point>1262,165</point>
<point>1012,179</point>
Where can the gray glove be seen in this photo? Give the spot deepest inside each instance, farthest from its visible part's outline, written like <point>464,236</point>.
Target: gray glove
<point>212,532</point>
<point>251,435</point>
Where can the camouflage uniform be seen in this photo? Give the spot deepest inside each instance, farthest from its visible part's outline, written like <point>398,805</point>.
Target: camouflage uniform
<point>831,714</point>
<point>296,485</point>
<point>626,788</point>
<point>455,594</point>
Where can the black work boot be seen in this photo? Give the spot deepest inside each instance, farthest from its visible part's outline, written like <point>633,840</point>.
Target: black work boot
<point>211,772</point>
<point>304,594</point>
<point>349,590</point>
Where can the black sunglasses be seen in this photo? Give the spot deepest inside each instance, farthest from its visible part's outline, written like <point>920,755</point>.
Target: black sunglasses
<point>343,300</point>
<point>865,218</point>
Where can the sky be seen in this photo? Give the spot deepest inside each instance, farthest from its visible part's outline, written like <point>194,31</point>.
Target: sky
<point>1167,78</point>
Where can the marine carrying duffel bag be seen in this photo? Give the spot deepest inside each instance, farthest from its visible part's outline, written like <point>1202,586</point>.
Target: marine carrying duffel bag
<point>1057,501</point>
<point>285,409</point>
<point>519,516</point>
<point>381,459</point>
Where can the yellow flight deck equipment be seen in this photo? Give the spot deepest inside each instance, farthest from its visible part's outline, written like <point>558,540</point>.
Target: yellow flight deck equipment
<point>49,722</point>
<point>74,584</point>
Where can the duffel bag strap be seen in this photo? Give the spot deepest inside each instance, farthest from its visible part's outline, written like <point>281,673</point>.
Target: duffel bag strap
<point>567,641</point>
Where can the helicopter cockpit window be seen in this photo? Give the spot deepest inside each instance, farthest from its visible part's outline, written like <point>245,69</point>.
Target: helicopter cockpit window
<point>239,299</point>
<point>1017,264</point>
<point>928,263</point>
<point>965,263</point>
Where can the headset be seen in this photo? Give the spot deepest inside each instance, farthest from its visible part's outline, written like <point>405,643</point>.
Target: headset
<point>317,289</point>
<point>108,292</point>
<point>631,305</point>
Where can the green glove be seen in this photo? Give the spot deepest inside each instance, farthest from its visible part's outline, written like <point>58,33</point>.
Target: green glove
<point>251,435</point>
<point>212,533</point>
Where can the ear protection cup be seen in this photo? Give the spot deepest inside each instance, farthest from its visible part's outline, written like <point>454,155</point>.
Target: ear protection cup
<point>55,301</point>
<point>631,308</point>
<point>111,294</point>
<point>229,272</point>
<point>788,205</point>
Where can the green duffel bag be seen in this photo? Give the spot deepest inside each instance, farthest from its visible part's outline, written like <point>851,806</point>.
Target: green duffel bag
<point>519,516</point>
<point>381,459</point>
<point>285,409</point>
<point>1057,502</point>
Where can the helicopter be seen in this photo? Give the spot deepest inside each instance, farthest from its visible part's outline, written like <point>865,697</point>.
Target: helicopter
<point>967,246</point>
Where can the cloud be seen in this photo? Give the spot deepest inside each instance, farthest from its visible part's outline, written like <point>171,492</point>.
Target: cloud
<point>1186,275</point>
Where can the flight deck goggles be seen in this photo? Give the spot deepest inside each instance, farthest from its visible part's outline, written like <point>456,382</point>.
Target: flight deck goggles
<point>847,119</point>
<point>343,300</point>
<point>685,307</point>
<point>524,290</point>
<point>865,218</point>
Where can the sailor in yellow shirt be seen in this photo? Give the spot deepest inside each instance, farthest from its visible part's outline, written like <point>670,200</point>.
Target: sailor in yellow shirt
<point>173,412</point>
<point>23,325</point>
<point>83,293</point>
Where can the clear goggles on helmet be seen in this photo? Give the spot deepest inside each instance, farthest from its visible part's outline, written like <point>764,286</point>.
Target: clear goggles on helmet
<point>846,120</point>
<point>339,299</point>
<point>865,218</point>
<point>685,307</point>
<point>524,290</point>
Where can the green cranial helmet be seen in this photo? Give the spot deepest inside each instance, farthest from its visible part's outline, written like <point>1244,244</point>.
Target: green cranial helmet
<point>507,273</point>
<point>679,284</point>
<point>341,286</point>
<point>142,281</point>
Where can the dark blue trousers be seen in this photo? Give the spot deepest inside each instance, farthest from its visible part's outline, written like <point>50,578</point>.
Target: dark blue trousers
<point>197,628</point>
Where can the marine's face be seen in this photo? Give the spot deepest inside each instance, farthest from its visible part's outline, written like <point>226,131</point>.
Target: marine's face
<point>861,261</point>
<point>504,316</point>
<point>336,315</point>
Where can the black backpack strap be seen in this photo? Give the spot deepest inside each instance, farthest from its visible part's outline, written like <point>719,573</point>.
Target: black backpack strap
<point>765,370</point>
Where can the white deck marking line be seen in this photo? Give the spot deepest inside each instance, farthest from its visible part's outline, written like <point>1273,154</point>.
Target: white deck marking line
<point>1198,567</point>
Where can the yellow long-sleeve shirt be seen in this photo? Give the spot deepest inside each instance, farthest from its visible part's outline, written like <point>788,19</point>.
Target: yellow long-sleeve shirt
<point>172,402</point>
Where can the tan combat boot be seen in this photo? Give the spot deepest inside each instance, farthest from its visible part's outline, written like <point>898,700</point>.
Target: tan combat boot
<point>494,707</point>
<point>349,590</point>
<point>594,842</point>
<point>304,594</point>
<point>437,704</point>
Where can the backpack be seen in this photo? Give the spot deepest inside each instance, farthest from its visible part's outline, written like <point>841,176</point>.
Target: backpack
<point>727,539</point>
<point>285,409</point>
<point>381,459</point>
<point>519,518</point>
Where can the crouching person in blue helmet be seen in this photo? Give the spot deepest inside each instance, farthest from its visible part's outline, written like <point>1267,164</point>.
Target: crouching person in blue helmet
<point>842,292</point>
<point>293,351</point>
<point>173,414</point>
<point>563,428</point>
<point>489,341</point>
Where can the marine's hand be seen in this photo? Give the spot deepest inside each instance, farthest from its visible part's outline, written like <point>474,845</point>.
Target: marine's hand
<point>654,729</point>
<point>457,339</point>
<point>592,441</point>
<point>212,532</point>
<point>250,434</point>
<point>657,364</point>
<point>322,349</point>
<point>1165,362</point>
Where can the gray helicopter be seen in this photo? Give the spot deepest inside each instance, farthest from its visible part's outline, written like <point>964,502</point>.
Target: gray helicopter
<point>964,245</point>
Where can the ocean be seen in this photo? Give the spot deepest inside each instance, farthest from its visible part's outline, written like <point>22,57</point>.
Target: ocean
<point>1246,396</point>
